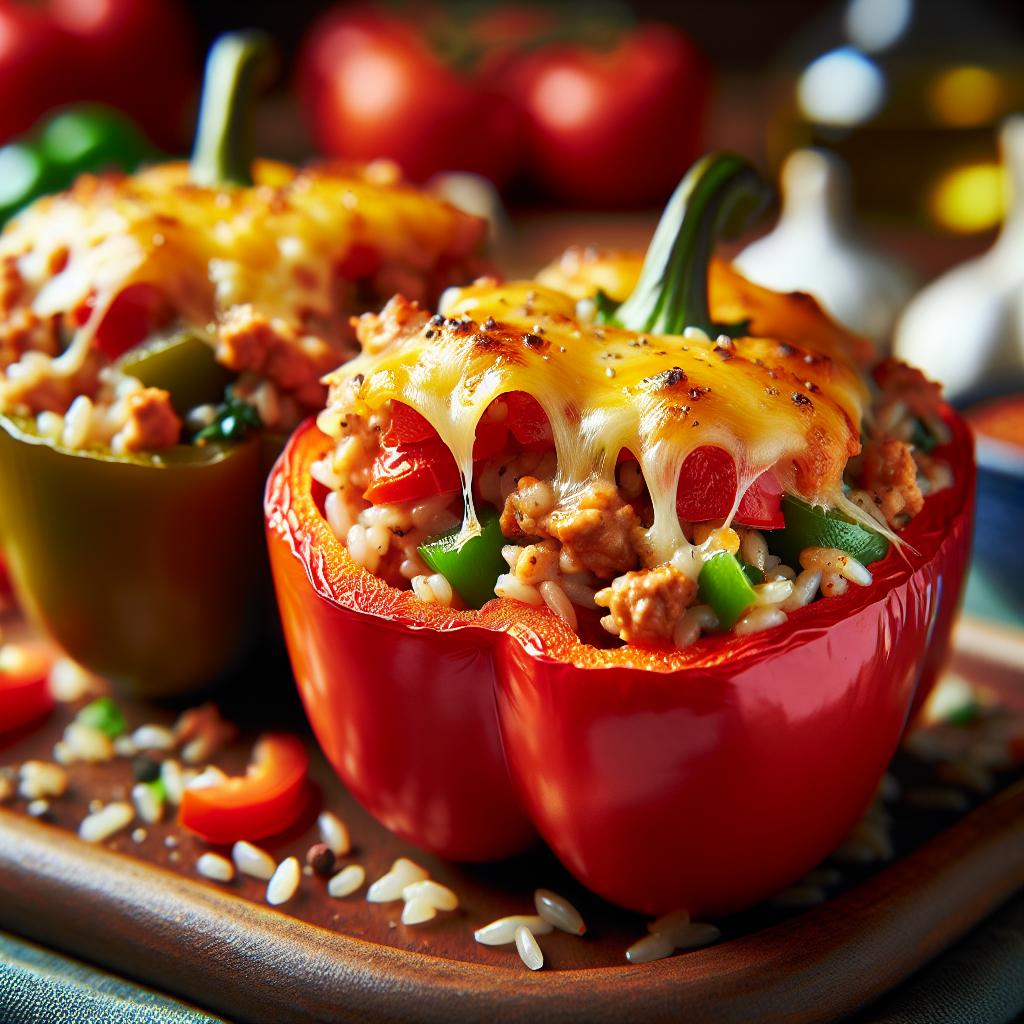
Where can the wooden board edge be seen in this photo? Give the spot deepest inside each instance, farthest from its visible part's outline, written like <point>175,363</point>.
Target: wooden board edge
<point>248,960</point>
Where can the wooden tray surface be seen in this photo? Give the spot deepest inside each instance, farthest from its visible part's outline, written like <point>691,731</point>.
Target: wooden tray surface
<point>140,909</point>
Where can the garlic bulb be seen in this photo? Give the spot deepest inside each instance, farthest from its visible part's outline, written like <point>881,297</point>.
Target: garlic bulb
<point>967,327</point>
<point>816,248</point>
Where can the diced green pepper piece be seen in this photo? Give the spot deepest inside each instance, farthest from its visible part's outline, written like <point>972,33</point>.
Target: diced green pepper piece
<point>808,526</point>
<point>473,569</point>
<point>752,573</point>
<point>158,788</point>
<point>105,715</point>
<point>184,364</point>
<point>724,585</point>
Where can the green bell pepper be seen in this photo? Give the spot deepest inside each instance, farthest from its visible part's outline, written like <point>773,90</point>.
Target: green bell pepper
<point>184,364</point>
<point>147,568</point>
<point>808,526</point>
<point>79,139</point>
<point>724,586</point>
<point>141,567</point>
<point>472,569</point>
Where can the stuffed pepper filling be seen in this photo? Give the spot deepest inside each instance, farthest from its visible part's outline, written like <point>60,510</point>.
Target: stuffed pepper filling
<point>195,301</point>
<point>646,487</point>
<point>113,291</point>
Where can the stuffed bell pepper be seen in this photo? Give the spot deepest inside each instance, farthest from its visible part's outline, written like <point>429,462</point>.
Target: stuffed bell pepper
<point>638,556</point>
<point>157,331</point>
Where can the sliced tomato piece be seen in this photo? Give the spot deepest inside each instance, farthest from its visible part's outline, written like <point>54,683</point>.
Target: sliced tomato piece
<point>707,490</point>
<point>263,802</point>
<point>24,685</point>
<point>527,422</point>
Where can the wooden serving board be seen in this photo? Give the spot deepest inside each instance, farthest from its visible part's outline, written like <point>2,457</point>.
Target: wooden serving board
<point>140,909</point>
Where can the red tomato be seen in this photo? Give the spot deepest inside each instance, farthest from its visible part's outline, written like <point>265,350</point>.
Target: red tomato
<point>415,463</point>
<point>131,318</point>
<point>37,68</point>
<point>263,802</point>
<point>137,55</point>
<point>527,422</point>
<point>371,87</point>
<point>614,127</point>
<point>707,490</point>
<point>407,427</point>
<point>24,685</point>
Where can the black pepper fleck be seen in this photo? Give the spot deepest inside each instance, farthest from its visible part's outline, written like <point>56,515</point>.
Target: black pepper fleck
<point>800,399</point>
<point>145,769</point>
<point>490,324</point>
<point>320,857</point>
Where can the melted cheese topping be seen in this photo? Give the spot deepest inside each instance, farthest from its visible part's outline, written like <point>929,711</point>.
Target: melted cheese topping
<point>279,245</point>
<point>786,398</point>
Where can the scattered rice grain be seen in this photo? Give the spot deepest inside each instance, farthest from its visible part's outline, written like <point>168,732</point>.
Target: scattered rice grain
<point>346,881</point>
<point>334,833</point>
<point>215,867</point>
<point>528,948</point>
<point>557,910</point>
<point>153,737</point>
<point>106,822</point>
<point>148,804</point>
<point>436,894</point>
<point>284,882</point>
<point>42,779</point>
<point>389,887</point>
<point>418,911</point>
<point>503,931</point>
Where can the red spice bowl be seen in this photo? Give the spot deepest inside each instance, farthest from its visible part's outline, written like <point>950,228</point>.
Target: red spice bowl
<point>706,778</point>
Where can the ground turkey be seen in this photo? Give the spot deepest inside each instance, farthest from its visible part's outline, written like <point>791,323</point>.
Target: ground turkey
<point>646,605</point>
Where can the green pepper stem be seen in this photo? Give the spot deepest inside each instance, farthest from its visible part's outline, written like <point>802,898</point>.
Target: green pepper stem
<point>237,65</point>
<point>719,196</point>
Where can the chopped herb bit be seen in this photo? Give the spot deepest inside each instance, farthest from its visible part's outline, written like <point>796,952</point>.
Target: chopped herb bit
<point>103,714</point>
<point>232,421</point>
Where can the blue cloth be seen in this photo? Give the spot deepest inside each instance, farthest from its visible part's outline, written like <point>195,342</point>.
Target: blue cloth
<point>38,986</point>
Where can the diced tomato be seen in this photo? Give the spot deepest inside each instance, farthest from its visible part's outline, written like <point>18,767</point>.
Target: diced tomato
<point>24,685</point>
<point>707,490</point>
<point>411,472</point>
<point>407,427</point>
<point>263,802</point>
<point>359,262</point>
<point>761,506</point>
<point>132,317</point>
<point>527,422</point>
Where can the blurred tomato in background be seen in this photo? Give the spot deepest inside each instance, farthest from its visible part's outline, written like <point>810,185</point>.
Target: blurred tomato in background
<point>577,100</point>
<point>140,56</point>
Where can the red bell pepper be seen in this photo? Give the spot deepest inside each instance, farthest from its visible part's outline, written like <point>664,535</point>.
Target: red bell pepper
<point>263,802</point>
<point>24,685</point>
<point>705,778</point>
